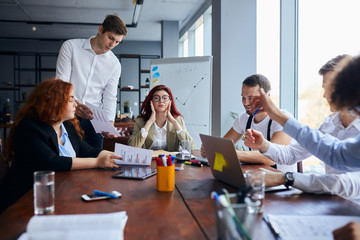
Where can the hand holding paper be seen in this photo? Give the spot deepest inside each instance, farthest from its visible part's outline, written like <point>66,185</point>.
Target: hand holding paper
<point>100,121</point>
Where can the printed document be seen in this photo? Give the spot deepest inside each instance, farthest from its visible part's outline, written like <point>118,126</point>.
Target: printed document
<point>318,227</point>
<point>76,226</point>
<point>100,121</point>
<point>132,155</point>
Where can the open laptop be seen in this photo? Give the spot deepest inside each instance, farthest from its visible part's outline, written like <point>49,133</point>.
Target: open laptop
<point>230,173</point>
<point>223,160</point>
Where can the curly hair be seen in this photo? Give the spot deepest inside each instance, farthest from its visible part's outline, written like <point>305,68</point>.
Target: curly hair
<point>347,85</point>
<point>46,103</point>
<point>145,110</point>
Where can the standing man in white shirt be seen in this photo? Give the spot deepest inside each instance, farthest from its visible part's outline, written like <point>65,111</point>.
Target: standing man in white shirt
<point>94,71</point>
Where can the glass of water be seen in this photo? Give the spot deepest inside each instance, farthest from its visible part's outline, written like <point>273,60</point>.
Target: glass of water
<point>256,180</point>
<point>44,192</point>
<point>186,149</point>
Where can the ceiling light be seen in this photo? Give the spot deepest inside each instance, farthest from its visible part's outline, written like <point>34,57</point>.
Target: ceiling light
<point>137,11</point>
<point>33,28</point>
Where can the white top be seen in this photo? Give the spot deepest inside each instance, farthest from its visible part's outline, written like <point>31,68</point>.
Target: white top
<point>160,134</point>
<point>240,127</point>
<point>95,77</point>
<point>335,182</point>
<point>159,137</point>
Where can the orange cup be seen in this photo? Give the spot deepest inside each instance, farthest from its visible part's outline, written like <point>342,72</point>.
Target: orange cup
<point>165,178</point>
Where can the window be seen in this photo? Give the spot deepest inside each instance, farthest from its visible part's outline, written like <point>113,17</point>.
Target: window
<point>325,31</point>
<point>199,39</point>
<point>196,41</point>
<point>268,43</point>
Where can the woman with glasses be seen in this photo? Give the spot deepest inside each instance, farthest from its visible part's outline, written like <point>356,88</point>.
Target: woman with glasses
<point>159,125</point>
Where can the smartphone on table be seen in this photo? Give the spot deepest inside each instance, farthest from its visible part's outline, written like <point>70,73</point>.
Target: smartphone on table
<point>93,197</point>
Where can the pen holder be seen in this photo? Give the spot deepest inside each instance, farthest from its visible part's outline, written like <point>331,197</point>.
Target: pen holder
<point>234,221</point>
<point>165,178</point>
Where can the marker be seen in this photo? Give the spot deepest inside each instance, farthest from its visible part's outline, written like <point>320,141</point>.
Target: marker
<point>99,193</point>
<point>169,162</point>
<point>256,111</point>
<point>200,161</point>
<point>158,161</point>
<point>193,164</point>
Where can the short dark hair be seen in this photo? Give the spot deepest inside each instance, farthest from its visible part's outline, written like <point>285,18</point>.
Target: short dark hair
<point>112,23</point>
<point>257,80</point>
<point>331,64</point>
<point>347,85</point>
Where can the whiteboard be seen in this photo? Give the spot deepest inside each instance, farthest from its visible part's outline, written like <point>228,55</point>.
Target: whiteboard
<point>189,80</point>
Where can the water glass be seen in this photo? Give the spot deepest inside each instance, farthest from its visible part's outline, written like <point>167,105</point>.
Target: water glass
<point>186,148</point>
<point>228,226</point>
<point>256,179</point>
<point>44,192</point>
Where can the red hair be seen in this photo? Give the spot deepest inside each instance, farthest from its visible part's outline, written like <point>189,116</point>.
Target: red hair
<point>46,103</point>
<point>145,110</point>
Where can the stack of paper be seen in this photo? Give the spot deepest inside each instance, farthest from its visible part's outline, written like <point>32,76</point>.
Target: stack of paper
<point>320,227</point>
<point>78,226</point>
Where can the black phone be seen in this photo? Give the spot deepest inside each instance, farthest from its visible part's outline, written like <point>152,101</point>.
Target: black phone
<point>92,197</point>
<point>135,172</point>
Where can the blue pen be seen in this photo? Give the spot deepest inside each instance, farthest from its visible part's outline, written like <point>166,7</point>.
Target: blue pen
<point>99,193</point>
<point>256,111</point>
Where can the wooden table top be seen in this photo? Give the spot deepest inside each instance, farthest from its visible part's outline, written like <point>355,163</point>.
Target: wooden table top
<point>185,213</point>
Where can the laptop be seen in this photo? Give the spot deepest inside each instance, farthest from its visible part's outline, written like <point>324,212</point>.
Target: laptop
<point>223,160</point>
<point>219,150</point>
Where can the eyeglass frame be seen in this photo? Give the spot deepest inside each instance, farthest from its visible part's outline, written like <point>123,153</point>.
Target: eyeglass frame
<point>167,98</point>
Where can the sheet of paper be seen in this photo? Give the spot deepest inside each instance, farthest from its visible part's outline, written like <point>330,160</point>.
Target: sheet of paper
<point>319,227</point>
<point>132,155</point>
<point>77,226</point>
<point>100,121</point>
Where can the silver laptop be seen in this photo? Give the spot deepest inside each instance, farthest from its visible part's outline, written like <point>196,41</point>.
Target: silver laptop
<point>223,160</point>
<point>230,173</point>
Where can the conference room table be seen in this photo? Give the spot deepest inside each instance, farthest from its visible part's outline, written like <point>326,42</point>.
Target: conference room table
<point>185,213</point>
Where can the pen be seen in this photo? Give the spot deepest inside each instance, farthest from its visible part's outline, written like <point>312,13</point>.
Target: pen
<point>99,193</point>
<point>193,164</point>
<point>256,111</point>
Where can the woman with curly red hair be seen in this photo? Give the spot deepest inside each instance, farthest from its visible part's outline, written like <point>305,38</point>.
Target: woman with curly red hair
<point>159,125</point>
<point>46,136</point>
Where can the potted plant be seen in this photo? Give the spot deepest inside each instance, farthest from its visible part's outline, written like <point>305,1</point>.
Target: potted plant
<point>126,106</point>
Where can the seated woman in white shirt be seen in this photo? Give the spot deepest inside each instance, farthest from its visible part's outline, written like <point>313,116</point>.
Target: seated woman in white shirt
<point>159,125</point>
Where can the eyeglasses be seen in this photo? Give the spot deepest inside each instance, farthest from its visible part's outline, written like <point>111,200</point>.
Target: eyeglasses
<point>165,98</point>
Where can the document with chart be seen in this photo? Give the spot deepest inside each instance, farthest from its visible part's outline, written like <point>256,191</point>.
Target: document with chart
<point>100,121</point>
<point>132,155</point>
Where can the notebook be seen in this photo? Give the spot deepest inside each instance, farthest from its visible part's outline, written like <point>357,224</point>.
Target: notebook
<point>223,160</point>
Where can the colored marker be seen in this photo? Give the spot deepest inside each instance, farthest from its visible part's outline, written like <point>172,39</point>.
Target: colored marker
<point>99,193</point>
<point>193,164</point>
<point>256,111</point>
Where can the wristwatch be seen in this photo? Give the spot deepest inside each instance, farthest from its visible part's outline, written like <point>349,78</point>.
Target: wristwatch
<point>289,177</point>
